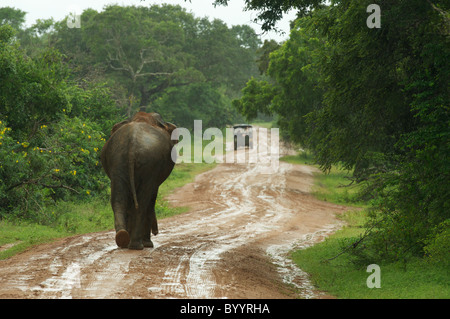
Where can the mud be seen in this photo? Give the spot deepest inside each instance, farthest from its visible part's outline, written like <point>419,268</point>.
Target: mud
<point>233,243</point>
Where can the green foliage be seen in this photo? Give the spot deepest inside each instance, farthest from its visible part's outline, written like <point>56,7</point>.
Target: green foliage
<point>256,97</point>
<point>65,163</point>
<point>294,90</point>
<point>264,55</point>
<point>269,12</point>
<point>139,49</point>
<point>32,91</point>
<point>50,133</point>
<point>196,101</point>
<point>437,246</point>
<point>413,192</point>
<point>11,16</point>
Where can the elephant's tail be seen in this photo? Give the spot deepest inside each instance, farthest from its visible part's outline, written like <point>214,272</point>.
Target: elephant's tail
<point>131,162</point>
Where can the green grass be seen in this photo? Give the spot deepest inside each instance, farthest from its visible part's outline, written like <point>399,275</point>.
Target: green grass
<point>344,276</point>
<point>302,158</point>
<point>333,186</point>
<point>182,174</point>
<point>345,279</point>
<point>62,220</point>
<point>23,235</point>
<point>264,124</point>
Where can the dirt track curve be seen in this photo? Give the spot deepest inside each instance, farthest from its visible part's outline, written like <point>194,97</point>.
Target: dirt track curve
<point>233,243</point>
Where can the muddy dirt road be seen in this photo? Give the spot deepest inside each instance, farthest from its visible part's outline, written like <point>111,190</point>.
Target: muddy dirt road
<point>233,243</point>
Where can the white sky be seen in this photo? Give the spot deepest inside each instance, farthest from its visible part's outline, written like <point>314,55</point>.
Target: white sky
<point>232,14</point>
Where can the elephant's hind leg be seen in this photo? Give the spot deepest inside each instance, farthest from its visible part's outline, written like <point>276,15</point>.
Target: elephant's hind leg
<point>155,230</point>
<point>151,225</point>
<point>122,238</point>
<point>152,214</point>
<point>119,204</point>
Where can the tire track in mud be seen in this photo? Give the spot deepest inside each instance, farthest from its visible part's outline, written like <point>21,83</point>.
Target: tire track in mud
<point>233,243</point>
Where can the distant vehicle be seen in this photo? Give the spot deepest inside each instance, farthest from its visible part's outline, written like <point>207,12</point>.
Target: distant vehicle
<point>243,135</point>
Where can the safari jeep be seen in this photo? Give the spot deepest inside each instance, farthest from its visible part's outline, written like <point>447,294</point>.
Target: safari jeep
<point>243,136</point>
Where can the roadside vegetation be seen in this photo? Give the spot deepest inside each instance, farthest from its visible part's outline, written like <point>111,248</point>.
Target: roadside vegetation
<point>332,187</point>
<point>338,265</point>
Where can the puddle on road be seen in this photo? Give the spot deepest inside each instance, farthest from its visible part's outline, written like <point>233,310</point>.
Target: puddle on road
<point>289,271</point>
<point>70,277</point>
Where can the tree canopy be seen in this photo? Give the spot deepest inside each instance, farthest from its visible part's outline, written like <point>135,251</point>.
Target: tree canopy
<point>146,52</point>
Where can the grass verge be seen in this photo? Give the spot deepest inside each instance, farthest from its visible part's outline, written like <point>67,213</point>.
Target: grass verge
<point>346,277</point>
<point>345,280</point>
<point>332,187</point>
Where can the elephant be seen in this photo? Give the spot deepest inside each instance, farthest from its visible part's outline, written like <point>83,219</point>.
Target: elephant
<point>137,159</point>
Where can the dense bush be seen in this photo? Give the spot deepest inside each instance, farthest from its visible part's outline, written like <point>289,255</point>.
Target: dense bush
<point>51,131</point>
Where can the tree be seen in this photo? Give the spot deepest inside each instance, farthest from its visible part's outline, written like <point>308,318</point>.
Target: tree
<point>14,17</point>
<point>141,49</point>
<point>224,56</point>
<point>272,11</point>
<point>293,89</point>
<point>264,55</point>
<point>183,105</point>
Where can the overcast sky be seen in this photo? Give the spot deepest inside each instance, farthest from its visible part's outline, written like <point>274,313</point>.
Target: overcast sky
<point>232,14</point>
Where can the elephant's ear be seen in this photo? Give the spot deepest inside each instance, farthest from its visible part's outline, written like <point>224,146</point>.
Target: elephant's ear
<point>170,127</point>
<point>159,120</point>
<point>119,125</point>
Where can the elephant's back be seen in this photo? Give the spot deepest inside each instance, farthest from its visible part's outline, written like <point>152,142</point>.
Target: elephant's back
<point>146,143</point>
<point>149,138</point>
<point>151,149</point>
